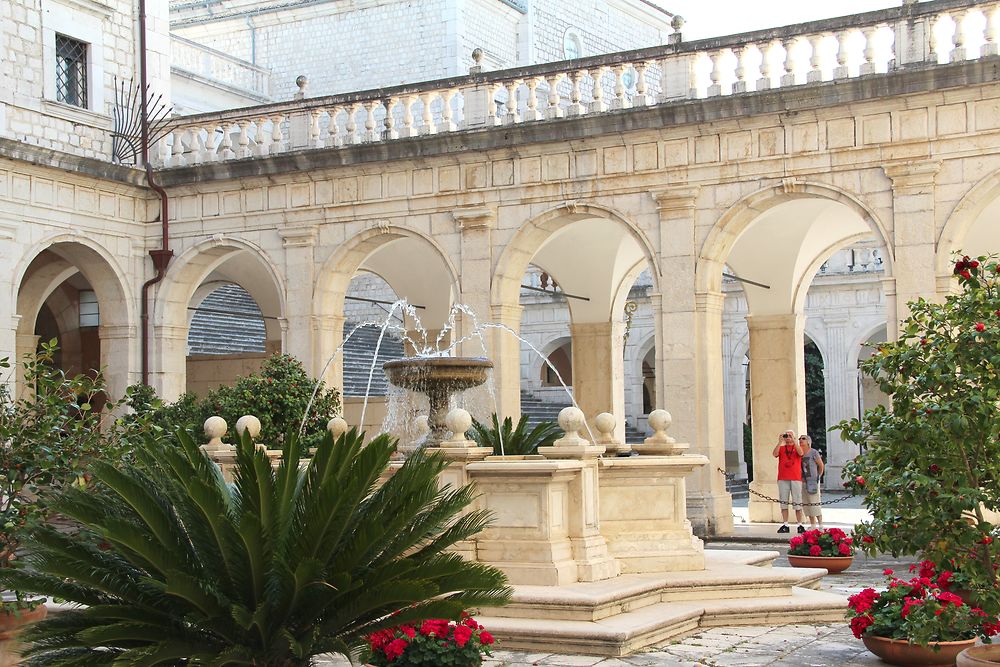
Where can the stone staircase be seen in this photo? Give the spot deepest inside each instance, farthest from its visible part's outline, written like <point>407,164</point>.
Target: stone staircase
<point>358,360</point>
<point>538,410</point>
<point>228,321</point>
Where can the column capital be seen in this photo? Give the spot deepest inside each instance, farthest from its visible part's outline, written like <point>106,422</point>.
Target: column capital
<point>776,321</point>
<point>327,323</point>
<point>679,198</point>
<point>475,218</point>
<point>299,237</point>
<point>709,302</point>
<point>109,331</point>
<point>507,314</point>
<point>912,175</point>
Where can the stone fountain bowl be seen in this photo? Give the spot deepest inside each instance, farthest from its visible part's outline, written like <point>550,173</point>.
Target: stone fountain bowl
<point>424,373</point>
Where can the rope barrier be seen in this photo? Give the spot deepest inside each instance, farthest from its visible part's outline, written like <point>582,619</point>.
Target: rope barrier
<point>731,476</point>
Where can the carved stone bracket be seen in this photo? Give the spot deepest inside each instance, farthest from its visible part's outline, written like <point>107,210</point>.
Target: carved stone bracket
<point>299,237</point>
<point>676,199</point>
<point>909,177</point>
<point>478,218</point>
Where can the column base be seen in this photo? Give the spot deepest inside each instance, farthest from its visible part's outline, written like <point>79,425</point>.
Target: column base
<point>765,511</point>
<point>710,514</point>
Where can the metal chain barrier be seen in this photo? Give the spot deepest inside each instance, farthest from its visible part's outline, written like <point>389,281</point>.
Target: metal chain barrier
<point>731,477</point>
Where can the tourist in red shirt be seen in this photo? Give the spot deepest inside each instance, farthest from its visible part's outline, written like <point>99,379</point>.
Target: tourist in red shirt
<point>789,455</point>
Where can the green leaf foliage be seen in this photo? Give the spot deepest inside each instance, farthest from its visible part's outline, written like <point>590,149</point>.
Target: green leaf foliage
<point>504,439</point>
<point>175,566</point>
<point>930,463</point>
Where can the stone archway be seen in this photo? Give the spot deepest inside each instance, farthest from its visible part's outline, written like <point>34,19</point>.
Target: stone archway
<point>60,270</point>
<point>973,228</point>
<point>775,240</point>
<point>212,262</point>
<point>591,251</point>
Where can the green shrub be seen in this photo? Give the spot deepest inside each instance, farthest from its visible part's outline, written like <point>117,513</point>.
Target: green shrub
<point>514,441</point>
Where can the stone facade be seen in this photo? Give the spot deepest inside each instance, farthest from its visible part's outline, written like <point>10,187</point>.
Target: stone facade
<point>682,180</point>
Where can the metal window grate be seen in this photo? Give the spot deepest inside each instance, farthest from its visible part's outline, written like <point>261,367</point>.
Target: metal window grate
<point>71,71</point>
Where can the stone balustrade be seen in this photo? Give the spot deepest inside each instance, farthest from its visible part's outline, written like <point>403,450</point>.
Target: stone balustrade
<point>208,63</point>
<point>914,35</point>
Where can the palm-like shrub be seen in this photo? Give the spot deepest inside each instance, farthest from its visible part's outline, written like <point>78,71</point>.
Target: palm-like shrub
<point>504,439</point>
<point>174,566</point>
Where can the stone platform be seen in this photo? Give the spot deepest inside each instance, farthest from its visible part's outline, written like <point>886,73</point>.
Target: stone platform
<point>616,617</point>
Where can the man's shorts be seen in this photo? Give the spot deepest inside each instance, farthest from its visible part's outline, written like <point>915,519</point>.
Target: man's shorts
<point>790,488</point>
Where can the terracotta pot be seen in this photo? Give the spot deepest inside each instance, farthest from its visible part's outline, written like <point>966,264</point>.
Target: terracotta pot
<point>833,564</point>
<point>11,622</point>
<point>903,653</point>
<point>987,655</point>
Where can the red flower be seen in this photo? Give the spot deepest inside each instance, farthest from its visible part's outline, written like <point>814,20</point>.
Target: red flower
<point>859,480</point>
<point>859,624</point>
<point>974,264</point>
<point>887,571</point>
<point>380,638</point>
<point>471,623</point>
<point>485,638</point>
<point>965,274</point>
<point>986,540</point>
<point>815,550</point>
<point>944,579</point>
<point>845,549</point>
<point>796,541</point>
<point>934,468</point>
<point>438,627</point>
<point>946,598</point>
<point>980,326</point>
<point>862,601</point>
<point>408,631</point>
<point>868,539</point>
<point>923,341</point>
<point>908,604</point>
<point>395,648</point>
<point>462,635</point>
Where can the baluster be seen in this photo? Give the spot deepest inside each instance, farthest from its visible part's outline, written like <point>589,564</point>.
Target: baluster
<point>553,110</point>
<point>842,71</point>
<point>513,115</point>
<point>868,66</point>
<point>764,82</point>
<point>244,139</point>
<point>390,122</point>
<point>278,144</point>
<point>409,129</point>
<point>788,78</point>
<point>447,124</point>
<point>641,98</point>
<point>531,111</point>
<point>370,133</point>
<point>226,151</point>
<point>932,54</point>
<point>211,147</point>
<point>428,126</point>
<point>314,131</point>
<point>990,33</point>
<point>492,114</point>
<point>715,88</point>
<point>262,137</point>
<point>333,139</point>
<point>815,60</point>
<point>575,108</point>
<point>620,101</point>
<point>740,85</point>
<point>597,104</point>
<point>197,148</point>
<point>353,136</point>
<point>958,38</point>
<point>173,153</point>
<point>182,151</point>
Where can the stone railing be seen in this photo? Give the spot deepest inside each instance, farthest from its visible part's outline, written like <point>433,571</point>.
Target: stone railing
<point>914,35</point>
<point>202,61</point>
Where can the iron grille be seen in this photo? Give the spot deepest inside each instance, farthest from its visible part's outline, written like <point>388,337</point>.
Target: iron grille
<point>71,71</point>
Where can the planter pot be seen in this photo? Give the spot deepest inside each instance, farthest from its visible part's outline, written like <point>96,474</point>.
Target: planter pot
<point>833,564</point>
<point>11,623</point>
<point>903,653</point>
<point>979,656</point>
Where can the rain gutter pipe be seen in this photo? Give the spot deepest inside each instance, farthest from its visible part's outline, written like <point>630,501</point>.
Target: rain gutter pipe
<point>161,257</point>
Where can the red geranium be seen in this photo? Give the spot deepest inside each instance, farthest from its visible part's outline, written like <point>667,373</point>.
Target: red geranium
<point>827,542</point>
<point>436,641</point>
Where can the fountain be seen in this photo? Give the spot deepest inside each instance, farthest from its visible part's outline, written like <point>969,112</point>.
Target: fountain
<point>438,378</point>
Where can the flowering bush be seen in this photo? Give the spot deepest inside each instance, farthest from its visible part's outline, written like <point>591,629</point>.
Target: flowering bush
<point>930,467</point>
<point>826,542</point>
<point>920,610</point>
<point>434,642</point>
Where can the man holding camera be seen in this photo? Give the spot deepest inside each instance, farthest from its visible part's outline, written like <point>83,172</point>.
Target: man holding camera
<point>788,451</point>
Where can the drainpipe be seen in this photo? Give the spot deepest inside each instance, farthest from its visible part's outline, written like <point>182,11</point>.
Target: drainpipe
<point>161,257</point>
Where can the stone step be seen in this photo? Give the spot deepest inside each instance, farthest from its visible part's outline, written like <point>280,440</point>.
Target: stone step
<point>632,630</point>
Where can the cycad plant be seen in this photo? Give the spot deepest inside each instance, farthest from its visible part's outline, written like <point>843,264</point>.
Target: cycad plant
<point>173,566</point>
<point>514,441</point>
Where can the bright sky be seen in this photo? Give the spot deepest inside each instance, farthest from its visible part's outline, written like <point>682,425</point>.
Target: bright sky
<point>710,18</point>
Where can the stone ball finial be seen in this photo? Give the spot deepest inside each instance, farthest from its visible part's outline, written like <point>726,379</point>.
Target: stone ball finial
<point>215,428</point>
<point>605,424</point>
<point>337,427</point>
<point>302,81</point>
<point>660,421</point>
<point>458,422</point>
<point>677,23</point>
<point>572,421</point>
<point>250,424</point>
<point>477,55</point>
<point>422,425</point>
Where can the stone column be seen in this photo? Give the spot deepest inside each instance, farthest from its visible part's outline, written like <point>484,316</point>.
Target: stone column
<point>689,359</point>
<point>841,387</point>
<point>913,231</point>
<point>599,370</point>
<point>777,400</point>
<point>24,344</point>
<point>170,354</point>
<point>327,332</point>
<point>476,269</point>
<point>505,349</point>
<point>116,357</point>
<point>300,281</point>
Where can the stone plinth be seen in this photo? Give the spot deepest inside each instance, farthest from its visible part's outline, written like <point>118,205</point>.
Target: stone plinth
<point>643,514</point>
<point>456,475</point>
<point>543,533</point>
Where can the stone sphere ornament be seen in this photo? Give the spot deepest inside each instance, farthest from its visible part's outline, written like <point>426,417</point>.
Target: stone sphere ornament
<point>215,428</point>
<point>458,422</point>
<point>572,421</point>
<point>605,424</point>
<point>250,424</point>
<point>422,426</point>
<point>337,427</point>
<point>660,421</point>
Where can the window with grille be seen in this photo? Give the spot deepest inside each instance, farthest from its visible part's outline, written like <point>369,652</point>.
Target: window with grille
<point>71,71</point>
